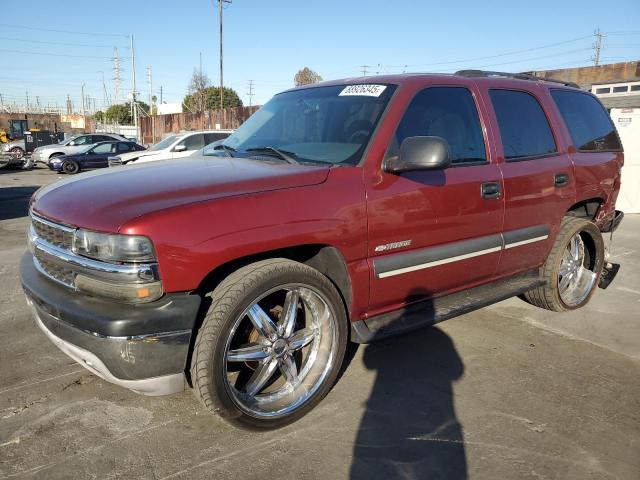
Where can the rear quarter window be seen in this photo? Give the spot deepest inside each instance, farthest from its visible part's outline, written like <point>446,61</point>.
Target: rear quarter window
<point>589,124</point>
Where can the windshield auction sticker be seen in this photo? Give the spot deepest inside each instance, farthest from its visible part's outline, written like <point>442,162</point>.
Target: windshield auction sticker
<point>363,90</point>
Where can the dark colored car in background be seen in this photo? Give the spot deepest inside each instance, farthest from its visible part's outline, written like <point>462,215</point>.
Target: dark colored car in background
<point>96,156</point>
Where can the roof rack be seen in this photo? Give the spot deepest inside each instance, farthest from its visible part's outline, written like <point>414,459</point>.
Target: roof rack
<point>519,76</point>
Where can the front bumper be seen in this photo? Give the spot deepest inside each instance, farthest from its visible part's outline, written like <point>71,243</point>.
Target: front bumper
<point>141,347</point>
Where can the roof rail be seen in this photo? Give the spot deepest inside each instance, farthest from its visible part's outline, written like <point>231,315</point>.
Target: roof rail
<point>519,76</point>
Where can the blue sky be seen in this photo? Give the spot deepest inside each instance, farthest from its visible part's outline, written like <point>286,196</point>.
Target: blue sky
<point>268,42</point>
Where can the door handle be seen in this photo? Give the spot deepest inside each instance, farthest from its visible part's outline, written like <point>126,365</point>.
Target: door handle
<point>490,190</point>
<point>561,179</point>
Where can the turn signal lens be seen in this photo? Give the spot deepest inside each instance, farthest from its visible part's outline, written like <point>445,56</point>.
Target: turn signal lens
<point>128,293</point>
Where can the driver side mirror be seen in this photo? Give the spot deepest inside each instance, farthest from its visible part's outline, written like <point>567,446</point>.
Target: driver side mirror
<point>180,148</point>
<point>420,153</point>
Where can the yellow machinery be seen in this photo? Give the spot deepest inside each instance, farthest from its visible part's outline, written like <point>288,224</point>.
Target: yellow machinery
<point>3,137</point>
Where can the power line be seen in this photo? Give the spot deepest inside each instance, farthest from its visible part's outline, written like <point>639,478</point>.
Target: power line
<point>94,34</point>
<point>48,54</point>
<point>505,54</point>
<point>56,43</point>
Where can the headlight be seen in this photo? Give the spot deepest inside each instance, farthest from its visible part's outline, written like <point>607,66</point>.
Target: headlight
<point>113,248</point>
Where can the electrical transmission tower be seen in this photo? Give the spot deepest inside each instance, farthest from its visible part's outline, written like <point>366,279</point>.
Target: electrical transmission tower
<point>597,47</point>
<point>364,69</point>
<point>250,93</point>
<point>117,79</point>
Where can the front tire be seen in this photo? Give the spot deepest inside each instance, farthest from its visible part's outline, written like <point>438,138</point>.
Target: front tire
<point>271,344</point>
<point>70,167</point>
<point>572,269</point>
<point>17,152</point>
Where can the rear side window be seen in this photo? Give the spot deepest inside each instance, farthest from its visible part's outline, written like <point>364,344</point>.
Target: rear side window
<point>589,124</point>
<point>449,113</point>
<point>524,127</point>
<point>214,137</point>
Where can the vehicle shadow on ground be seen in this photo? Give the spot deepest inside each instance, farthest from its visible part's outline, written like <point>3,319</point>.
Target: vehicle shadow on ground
<point>409,429</point>
<point>14,201</point>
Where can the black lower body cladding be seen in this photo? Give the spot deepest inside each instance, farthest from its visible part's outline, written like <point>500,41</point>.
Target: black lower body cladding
<point>141,347</point>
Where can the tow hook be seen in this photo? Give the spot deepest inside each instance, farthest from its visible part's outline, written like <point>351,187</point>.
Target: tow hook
<point>609,272</point>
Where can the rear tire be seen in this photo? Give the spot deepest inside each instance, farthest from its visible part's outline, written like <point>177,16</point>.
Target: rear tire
<point>70,167</point>
<point>271,344</point>
<point>572,269</point>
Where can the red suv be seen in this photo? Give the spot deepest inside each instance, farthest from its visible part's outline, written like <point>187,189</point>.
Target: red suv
<point>341,211</point>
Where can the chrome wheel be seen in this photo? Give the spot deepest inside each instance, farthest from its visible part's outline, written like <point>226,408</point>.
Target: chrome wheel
<point>575,279</point>
<point>280,350</point>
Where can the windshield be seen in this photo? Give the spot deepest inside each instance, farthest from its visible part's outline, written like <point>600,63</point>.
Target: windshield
<point>162,144</point>
<point>321,124</point>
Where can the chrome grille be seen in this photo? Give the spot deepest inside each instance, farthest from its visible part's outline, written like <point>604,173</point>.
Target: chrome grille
<point>56,270</point>
<point>57,235</point>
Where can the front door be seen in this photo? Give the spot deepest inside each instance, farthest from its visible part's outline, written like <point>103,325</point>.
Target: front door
<point>433,232</point>
<point>99,155</point>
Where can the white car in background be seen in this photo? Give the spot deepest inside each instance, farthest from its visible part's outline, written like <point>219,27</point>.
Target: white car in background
<point>174,146</point>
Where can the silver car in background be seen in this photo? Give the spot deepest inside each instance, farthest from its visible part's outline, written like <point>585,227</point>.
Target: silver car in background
<point>72,145</point>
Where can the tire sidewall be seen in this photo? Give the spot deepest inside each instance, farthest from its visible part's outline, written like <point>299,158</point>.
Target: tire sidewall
<point>303,275</point>
<point>68,163</point>
<point>592,230</point>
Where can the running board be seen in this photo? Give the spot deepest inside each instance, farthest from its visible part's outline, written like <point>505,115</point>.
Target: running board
<point>432,311</point>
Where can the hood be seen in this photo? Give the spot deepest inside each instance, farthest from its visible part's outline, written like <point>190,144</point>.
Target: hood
<point>106,199</point>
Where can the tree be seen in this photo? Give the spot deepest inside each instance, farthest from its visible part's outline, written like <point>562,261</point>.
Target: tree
<point>197,85</point>
<point>306,76</point>
<point>99,116</point>
<point>209,99</point>
<point>121,113</point>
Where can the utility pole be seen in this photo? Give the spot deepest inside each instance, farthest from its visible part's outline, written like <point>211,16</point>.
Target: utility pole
<point>150,80</point>
<point>364,70</point>
<point>37,102</point>
<point>250,94</point>
<point>220,2</point>
<point>68,105</point>
<point>117,80</point>
<point>597,47</point>
<point>27,95</point>
<point>133,94</point>
<point>160,93</point>
<point>84,118</point>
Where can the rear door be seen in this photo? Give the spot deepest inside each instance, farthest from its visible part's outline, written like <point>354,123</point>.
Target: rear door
<point>432,232</point>
<point>538,176</point>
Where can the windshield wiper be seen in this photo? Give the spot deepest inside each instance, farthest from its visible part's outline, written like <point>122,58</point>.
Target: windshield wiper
<point>282,154</point>
<point>229,150</point>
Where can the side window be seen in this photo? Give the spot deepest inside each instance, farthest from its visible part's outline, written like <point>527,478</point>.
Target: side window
<point>83,140</point>
<point>193,142</point>
<point>590,127</point>
<point>214,137</point>
<point>447,112</point>
<point>524,127</point>
<point>125,147</point>
<point>104,148</point>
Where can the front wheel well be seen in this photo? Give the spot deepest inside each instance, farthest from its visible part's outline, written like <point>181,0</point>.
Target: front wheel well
<point>586,209</point>
<point>324,258</point>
